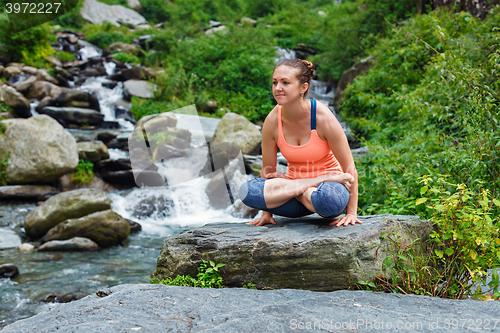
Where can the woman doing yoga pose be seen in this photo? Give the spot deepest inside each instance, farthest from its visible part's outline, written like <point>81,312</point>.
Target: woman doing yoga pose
<point>321,176</point>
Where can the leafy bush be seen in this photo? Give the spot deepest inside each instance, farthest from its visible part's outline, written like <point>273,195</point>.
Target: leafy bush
<point>128,58</point>
<point>29,46</point>
<point>106,34</point>
<point>84,173</point>
<point>453,261</point>
<point>3,166</point>
<point>208,277</point>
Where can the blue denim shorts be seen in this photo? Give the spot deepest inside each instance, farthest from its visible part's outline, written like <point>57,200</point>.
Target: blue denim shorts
<point>329,200</point>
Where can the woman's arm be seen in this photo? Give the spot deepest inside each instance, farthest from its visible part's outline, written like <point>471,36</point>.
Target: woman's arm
<point>331,130</point>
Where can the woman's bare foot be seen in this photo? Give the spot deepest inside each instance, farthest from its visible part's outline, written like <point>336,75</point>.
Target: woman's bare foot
<point>345,179</point>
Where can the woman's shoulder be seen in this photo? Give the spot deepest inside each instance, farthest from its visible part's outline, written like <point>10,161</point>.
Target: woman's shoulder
<point>272,117</point>
<point>326,122</point>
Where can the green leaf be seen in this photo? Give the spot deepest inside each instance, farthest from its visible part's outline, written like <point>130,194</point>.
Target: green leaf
<point>447,236</point>
<point>371,284</point>
<point>449,251</point>
<point>220,265</point>
<point>420,201</point>
<point>400,256</point>
<point>423,190</point>
<point>383,235</point>
<point>387,263</point>
<point>439,253</point>
<point>440,208</point>
<point>362,282</point>
<point>496,202</point>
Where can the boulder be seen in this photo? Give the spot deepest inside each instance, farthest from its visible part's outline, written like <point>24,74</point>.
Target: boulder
<point>106,228</point>
<point>25,247</point>
<point>131,49</point>
<point>222,190</point>
<point>41,89</point>
<point>8,271</point>
<point>29,70</point>
<point>42,75</point>
<point>92,151</point>
<point>160,308</point>
<point>70,97</point>
<point>26,192</point>
<point>11,97</point>
<point>41,150</point>
<point>249,21</point>
<point>135,5</point>
<point>139,73</point>
<point>221,29</point>
<point>219,155</point>
<point>24,86</point>
<point>97,183</point>
<point>9,239</point>
<point>74,244</point>
<point>138,88</point>
<point>64,206</point>
<point>237,129</point>
<point>10,71</point>
<point>156,122</point>
<point>69,115</point>
<point>296,254</point>
<point>97,12</point>
<point>348,77</point>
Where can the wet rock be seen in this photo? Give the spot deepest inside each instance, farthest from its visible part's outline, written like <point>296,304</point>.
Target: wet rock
<point>42,89</point>
<point>106,228</point>
<point>24,86</point>
<point>123,113</point>
<point>110,84</point>
<point>66,298</point>
<point>138,88</point>
<point>26,247</point>
<point>29,70</point>
<point>134,227</point>
<point>139,73</point>
<point>97,183</point>
<point>222,190</point>
<point>348,77</point>
<point>148,206</point>
<point>43,75</point>
<point>135,5</point>
<point>243,211</point>
<point>79,244</point>
<point>157,122</point>
<point>107,136</point>
<point>304,253</point>
<point>26,192</point>
<point>11,97</point>
<point>69,115</point>
<point>219,155</point>
<point>63,82</point>
<point>92,151</point>
<point>64,206</point>
<point>54,60</point>
<point>97,12</point>
<point>131,49</point>
<point>302,51</point>
<point>141,307</point>
<point>94,71</point>
<point>10,71</point>
<point>113,165</point>
<point>40,150</point>
<point>67,97</point>
<point>63,72</point>
<point>8,271</point>
<point>9,239</point>
<point>110,125</point>
<point>237,129</point>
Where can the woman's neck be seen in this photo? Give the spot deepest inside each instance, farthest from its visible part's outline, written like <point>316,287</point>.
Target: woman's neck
<point>296,111</point>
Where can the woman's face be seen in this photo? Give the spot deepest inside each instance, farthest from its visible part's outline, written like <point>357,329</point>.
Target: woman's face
<point>286,86</point>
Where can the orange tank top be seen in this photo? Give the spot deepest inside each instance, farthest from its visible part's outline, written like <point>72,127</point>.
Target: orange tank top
<point>311,160</point>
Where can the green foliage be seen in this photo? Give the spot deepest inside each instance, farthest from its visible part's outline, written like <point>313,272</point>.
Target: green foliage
<point>3,167</point>
<point>464,244</point>
<point>72,19</point>
<point>106,34</point>
<point>250,285</point>
<point>128,58</point>
<point>65,56</point>
<point>84,173</point>
<point>29,46</point>
<point>208,277</point>
<point>428,106</point>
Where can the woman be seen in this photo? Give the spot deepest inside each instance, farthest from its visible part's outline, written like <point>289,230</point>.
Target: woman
<point>321,176</point>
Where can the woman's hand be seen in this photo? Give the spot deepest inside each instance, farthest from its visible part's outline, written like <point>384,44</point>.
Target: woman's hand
<point>265,219</point>
<point>346,220</point>
<point>276,174</point>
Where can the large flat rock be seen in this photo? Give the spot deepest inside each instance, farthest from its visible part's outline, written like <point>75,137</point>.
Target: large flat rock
<point>158,308</point>
<point>9,239</point>
<point>304,253</point>
<point>97,12</point>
